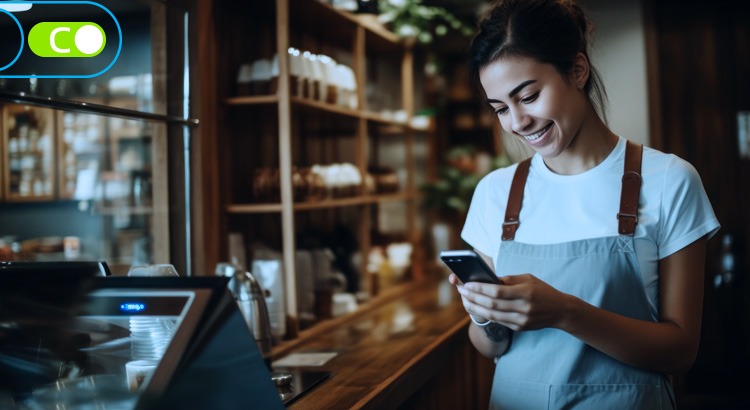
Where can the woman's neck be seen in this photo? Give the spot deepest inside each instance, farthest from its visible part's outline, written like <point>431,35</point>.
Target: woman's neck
<point>593,143</point>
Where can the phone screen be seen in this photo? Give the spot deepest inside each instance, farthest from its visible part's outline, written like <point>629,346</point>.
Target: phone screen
<point>469,266</point>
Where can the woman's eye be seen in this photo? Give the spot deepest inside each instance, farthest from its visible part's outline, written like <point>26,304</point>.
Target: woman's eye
<point>530,98</point>
<point>501,110</point>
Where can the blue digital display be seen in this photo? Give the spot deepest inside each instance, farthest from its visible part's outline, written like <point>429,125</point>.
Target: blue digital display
<point>132,307</point>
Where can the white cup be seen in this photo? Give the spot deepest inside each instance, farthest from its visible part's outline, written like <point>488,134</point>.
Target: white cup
<point>160,269</point>
<point>139,373</point>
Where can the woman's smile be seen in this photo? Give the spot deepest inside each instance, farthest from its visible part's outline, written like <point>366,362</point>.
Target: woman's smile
<point>536,138</point>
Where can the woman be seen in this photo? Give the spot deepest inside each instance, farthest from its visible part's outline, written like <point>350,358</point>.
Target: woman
<point>600,252</point>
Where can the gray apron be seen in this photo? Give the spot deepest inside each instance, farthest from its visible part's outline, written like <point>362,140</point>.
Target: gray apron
<point>549,368</point>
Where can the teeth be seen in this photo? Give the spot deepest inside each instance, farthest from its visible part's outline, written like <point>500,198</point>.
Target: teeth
<point>538,134</point>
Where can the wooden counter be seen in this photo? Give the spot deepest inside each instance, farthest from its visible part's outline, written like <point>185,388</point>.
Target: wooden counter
<point>410,351</point>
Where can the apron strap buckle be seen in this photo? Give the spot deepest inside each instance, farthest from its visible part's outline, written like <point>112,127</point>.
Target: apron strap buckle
<point>627,223</point>
<point>509,230</point>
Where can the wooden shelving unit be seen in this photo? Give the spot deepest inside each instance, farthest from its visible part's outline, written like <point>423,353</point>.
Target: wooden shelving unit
<point>283,131</point>
<point>29,150</point>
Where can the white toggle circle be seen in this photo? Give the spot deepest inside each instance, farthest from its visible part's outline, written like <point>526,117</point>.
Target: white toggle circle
<point>89,39</point>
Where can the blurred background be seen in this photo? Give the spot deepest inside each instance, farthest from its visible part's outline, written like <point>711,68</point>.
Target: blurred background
<point>220,134</point>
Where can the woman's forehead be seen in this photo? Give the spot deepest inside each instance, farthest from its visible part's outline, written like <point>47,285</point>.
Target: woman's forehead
<point>508,72</point>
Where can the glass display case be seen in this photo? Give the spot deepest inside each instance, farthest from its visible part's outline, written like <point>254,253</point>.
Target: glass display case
<point>107,162</point>
<point>103,159</point>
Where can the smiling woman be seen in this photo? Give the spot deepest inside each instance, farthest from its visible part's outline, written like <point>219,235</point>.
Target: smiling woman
<point>599,242</point>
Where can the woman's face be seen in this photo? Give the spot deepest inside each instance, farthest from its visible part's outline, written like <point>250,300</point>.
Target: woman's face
<point>535,103</point>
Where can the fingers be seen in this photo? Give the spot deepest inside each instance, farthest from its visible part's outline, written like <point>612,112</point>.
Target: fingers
<point>489,302</point>
<point>517,279</point>
<point>513,320</point>
<point>491,290</point>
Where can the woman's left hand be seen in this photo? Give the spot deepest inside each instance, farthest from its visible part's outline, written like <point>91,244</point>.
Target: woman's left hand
<point>523,302</point>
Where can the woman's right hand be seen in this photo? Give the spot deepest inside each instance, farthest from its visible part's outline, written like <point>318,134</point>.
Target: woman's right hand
<point>479,335</point>
<point>453,279</point>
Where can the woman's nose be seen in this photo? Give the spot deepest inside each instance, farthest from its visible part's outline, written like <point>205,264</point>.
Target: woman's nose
<point>520,121</point>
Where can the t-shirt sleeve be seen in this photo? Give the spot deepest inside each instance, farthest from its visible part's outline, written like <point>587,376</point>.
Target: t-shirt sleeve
<point>687,214</point>
<point>483,223</point>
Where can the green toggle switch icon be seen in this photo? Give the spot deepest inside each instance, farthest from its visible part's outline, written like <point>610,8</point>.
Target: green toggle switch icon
<point>67,39</point>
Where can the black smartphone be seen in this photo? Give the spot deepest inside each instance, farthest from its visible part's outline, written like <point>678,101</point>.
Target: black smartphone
<point>469,266</point>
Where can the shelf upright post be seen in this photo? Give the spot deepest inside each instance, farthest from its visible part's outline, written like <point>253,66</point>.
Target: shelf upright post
<point>159,221</point>
<point>285,167</point>
<point>407,99</point>
<point>360,73</point>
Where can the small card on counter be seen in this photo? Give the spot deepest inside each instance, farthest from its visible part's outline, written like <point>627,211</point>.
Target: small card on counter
<point>305,359</point>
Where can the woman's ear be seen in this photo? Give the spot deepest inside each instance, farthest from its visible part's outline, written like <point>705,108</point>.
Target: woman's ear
<point>579,74</point>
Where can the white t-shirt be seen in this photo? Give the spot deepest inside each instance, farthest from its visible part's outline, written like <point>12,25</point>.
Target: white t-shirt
<point>674,209</point>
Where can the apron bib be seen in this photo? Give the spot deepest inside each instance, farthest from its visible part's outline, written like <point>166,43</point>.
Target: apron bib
<point>549,368</point>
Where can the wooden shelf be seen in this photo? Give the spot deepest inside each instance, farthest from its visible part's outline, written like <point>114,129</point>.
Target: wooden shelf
<point>320,106</point>
<point>252,100</point>
<point>325,12</point>
<point>324,204</point>
<point>305,102</point>
<point>376,28</point>
<point>398,196</point>
<point>377,117</point>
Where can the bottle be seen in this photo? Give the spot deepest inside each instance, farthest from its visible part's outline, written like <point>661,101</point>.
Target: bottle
<point>270,278</point>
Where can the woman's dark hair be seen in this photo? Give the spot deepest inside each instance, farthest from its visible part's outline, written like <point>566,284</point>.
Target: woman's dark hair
<point>548,31</point>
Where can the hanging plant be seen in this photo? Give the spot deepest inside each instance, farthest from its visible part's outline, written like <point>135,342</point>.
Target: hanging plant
<point>412,19</point>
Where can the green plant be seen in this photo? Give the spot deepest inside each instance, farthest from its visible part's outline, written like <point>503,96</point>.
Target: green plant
<point>412,19</point>
<point>450,194</point>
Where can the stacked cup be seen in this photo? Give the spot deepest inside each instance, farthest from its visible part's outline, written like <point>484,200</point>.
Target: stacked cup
<point>149,337</point>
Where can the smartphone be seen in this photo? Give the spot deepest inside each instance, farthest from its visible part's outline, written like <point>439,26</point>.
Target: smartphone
<point>469,266</point>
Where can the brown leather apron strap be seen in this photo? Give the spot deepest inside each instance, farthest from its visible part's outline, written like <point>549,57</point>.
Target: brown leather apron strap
<point>631,189</point>
<point>629,195</point>
<point>513,209</point>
